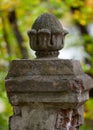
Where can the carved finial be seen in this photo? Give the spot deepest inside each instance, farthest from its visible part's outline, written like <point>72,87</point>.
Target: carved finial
<point>47,36</point>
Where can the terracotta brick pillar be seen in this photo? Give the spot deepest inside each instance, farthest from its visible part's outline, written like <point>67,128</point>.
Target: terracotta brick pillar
<point>47,93</point>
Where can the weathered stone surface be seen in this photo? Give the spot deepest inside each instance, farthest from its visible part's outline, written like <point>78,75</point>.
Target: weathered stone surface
<point>64,100</point>
<point>42,90</point>
<point>41,118</point>
<point>44,67</point>
<point>55,82</point>
<point>54,76</point>
<point>48,21</point>
<point>47,36</point>
<point>75,84</point>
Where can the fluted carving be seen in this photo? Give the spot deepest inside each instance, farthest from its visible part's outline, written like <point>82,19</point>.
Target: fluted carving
<point>46,40</point>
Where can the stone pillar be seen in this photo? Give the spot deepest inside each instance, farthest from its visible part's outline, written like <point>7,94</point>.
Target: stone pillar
<point>47,93</point>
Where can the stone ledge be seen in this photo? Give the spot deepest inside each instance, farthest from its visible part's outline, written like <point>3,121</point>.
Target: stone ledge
<point>64,100</point>
<point>44,67</point>
<point>43,83</point>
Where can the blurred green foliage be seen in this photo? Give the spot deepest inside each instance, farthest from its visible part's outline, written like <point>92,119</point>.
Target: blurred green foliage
<point>5,108</point>
<point>78,13</point>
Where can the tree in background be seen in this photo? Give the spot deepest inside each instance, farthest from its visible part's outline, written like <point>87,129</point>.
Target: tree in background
<point>17,16</point>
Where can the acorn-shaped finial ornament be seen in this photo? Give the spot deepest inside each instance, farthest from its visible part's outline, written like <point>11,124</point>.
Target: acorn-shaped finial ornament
<point>47,36</point>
